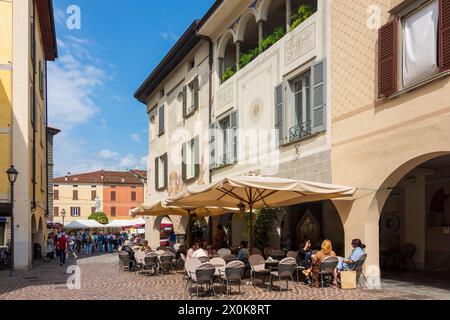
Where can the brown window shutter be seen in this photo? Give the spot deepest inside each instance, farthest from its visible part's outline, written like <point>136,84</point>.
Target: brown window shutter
<point>444,34</point>
<point>387,63</point>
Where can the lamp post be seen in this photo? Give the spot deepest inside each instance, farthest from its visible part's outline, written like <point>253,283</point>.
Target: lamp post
<point>12,177</point>
<point>63,215</point>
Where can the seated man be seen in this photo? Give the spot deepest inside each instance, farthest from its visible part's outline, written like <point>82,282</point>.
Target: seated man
<point>243,253</point>
<point>146,247</point>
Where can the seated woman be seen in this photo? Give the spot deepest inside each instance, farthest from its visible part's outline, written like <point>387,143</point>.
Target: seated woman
<point>199,252</point>
<point>357,253</point>
<point>146,247</point>
<point>305,254</point>
<point>325,252</point>
<point>243,253</point>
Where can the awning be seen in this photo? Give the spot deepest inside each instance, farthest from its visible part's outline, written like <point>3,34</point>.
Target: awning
<point>84,224</point>
<point>126,223</point>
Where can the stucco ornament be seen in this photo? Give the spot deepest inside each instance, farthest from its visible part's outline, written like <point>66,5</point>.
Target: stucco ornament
<point>256,110</point>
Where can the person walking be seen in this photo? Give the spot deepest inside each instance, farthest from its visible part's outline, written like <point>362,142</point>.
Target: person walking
<point>101,240</point>
<point>78,242</point>
<point>88,244</point>
<point>62,248</point>
<point>50,248</point>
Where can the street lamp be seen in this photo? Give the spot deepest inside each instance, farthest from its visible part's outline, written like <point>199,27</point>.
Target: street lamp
<point>12,177</point>
<point>63,215</point>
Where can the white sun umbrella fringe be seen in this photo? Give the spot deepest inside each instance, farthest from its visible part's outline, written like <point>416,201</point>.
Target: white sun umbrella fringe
<point>254,192</point>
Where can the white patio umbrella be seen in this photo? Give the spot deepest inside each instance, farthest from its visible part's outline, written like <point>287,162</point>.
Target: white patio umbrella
<point>84,224</point>
<point>161,208</point>
<point>254,192</point>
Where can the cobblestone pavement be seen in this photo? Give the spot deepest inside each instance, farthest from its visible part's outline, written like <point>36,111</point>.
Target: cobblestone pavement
<point>101,279</point>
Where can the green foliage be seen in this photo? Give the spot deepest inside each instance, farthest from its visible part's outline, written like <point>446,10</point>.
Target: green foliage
<point>228,73</point>
<point>270,40</point>
<point>303,12</point>
<point>100,217</point>
<point>265,44</point>
<point>263,225</point>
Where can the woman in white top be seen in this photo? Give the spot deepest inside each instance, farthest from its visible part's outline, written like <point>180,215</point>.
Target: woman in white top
<point>200,252</point>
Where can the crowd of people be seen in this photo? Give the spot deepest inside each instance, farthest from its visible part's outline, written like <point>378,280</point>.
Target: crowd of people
<point>61,244</point>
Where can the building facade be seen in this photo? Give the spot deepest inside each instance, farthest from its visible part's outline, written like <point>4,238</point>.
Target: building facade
<point>77,197</point>
<point>51,133</point>
<point>327,91</point>
<point>27,42</point>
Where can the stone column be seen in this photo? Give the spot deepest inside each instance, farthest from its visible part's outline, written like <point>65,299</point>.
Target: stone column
<point>260,33</point>
<point>238,54</point>
<point>288,15</point>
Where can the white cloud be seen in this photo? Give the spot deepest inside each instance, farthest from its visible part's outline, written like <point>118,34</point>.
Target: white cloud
<point>135,137</point>
<point>169,36</point>
<point>108,154</point>
<point>72,86</point>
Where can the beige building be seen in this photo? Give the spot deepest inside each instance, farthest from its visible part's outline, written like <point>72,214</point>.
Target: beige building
<point>27,42</point>
<point>332,98</point>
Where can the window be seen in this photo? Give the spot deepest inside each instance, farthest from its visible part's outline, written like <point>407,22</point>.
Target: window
<point>415,45</point>
<point>223,141</point>
<point>161,172</point>
<point>161,117</point>
<point>113,211</point>
<point>420,44</point>
<point>190,98</point>
<point>56,195</point>
<point>56,211</point>
<point>133,195</point>
<point>75,195</point>
<point>305,113</point>
<point>190,156</point>
<point>75,211</point>
<point>113,196</point>
<point>93,194</point>
<point>301,117</point>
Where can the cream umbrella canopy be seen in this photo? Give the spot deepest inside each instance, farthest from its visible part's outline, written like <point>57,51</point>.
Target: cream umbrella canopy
<point>161,208</point>
<point>254,192</point>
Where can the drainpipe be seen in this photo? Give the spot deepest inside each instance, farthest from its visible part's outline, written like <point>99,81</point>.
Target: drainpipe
<point>211,62</point>
<point>46,143</point>
<point>33,180</point>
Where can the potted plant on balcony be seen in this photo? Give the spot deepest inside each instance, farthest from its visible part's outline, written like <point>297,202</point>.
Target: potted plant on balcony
<point>303,12</point>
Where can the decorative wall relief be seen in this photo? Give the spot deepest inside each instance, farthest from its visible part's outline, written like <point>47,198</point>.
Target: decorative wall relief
<point>300,44</point>
<point>224,98</point>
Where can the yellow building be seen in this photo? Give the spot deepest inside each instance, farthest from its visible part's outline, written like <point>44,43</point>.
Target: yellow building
<point>27,42</point>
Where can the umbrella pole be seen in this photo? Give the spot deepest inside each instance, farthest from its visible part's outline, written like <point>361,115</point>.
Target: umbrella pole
<point>188,231</point>
<point>250,240</point>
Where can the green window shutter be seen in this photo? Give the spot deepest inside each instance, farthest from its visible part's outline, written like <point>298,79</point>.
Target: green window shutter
<point>319,97</point>
<point>196,93</point>
<point>184,102</point>
<point>234,137</point>
<point>157,173</point>
<point>197,156</point>
<point>183,161</point>
<point>161,120</point>
<point>279,113</point>
<point>213,145</point>
<point>166,170</point>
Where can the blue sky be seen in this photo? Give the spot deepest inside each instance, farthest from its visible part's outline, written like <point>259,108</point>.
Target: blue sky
<point>100,66</point>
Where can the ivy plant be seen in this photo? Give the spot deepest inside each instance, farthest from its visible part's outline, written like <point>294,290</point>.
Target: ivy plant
<point>303,12</point>
<point>265,219</point>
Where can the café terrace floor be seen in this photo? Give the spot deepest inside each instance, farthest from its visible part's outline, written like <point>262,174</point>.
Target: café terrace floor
<point>101,279</point>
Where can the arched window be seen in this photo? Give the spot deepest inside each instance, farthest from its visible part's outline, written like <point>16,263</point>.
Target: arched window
<point>227,57</point>
<point>276,17</point>
<point>251,34</point>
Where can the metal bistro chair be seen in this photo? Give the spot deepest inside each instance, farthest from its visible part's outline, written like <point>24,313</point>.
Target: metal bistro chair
<point>124,261</point>
<point>358,267</point>
<point>204,275</point>
<point>258,267</point>
<point>234,272</point>
<point>292,254</point>
<point>151,265</point>
<point>219,264</point>
<point>278,255</point>
<point>223,252</point>
<point>190,266</point>
<point>166,261</point>
<point>203,259</point>
<point>256,251</point>
<point>267,251</point>
<point>285,271</point>
<point>327,267</point>
<point>229,258</point>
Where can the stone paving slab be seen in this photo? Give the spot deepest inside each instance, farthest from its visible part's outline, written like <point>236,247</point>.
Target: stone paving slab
<point>101,279</point>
